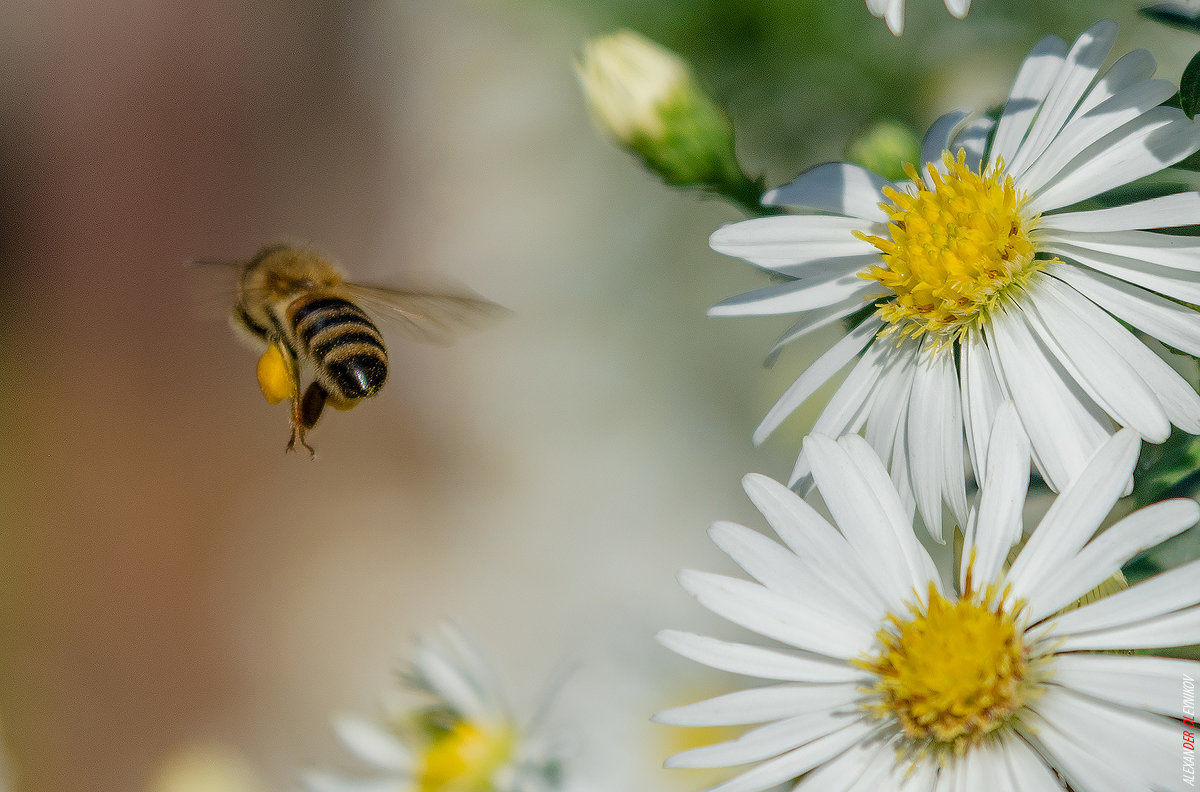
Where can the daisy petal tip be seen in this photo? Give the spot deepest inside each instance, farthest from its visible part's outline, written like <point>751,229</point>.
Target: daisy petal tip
<point>691,580</point>
<point>758,484</point>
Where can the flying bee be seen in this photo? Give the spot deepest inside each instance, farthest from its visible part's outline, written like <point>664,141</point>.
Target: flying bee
<point>299,306</point>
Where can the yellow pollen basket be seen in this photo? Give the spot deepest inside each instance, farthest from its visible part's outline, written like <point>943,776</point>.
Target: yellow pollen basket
<point>465,758</point>
<point>277,376</point>
<point>951,673</point>
<point>954,251</point>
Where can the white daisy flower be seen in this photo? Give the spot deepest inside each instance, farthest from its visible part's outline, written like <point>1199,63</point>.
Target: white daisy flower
<point>891,678</point>
<point>990,283</point>
<point>892,11</point>
<point>464,740</point>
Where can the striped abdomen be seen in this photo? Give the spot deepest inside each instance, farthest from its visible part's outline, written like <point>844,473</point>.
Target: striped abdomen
<point>343,344</point>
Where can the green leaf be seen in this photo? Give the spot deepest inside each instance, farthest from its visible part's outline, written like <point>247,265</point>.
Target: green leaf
<point>1189,87</point>
<point>1173,14</point>
<point>1167,470</point>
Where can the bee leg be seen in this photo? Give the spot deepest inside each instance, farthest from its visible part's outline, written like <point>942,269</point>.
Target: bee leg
<point>305,414</point>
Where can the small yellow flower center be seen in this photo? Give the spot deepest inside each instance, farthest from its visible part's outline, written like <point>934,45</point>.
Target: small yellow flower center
<point>950,673</point>
<point>954,251</point>
<point>465,758</point>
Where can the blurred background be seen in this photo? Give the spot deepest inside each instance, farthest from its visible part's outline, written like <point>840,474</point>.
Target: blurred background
<point>175,591</point>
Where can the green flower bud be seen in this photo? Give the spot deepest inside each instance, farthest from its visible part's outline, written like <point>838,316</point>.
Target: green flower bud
<point>644,97</point>
<point>884,149</point>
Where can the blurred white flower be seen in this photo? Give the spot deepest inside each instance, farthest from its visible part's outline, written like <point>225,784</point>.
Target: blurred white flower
<point>203,766</point>
<point>991,282</point>
<point>894,679</point>
<point>892,11</point>
<point>464,739</point>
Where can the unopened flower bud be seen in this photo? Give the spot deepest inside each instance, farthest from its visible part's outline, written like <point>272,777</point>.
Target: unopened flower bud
<point>645,98</point>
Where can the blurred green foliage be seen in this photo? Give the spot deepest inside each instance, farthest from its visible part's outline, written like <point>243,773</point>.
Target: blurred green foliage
<point>802,77</point>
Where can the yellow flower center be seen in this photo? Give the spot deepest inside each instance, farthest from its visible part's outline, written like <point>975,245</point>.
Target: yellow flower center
<point>954,251</point>
<point>465,758</point>
<point>950,673</point>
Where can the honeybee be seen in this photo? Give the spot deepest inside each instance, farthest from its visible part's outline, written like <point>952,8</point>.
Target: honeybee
<point>300,307</point>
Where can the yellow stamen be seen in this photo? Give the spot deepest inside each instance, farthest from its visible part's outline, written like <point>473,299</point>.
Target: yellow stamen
<point>954,251</point>
<point>951,672</point>
<point>465,758</point>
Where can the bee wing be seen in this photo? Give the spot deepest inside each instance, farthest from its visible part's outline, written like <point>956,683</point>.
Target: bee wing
<point>426,316</point>
<point>213,287</point>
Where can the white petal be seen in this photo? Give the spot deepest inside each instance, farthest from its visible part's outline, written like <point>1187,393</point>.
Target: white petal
<point>958,8</point>
<point>757,661</point>
<point>884,770</point>
<point>894,384</point>
<point>1155,140</point>
<point>935,438</point>
<point>1075,515</point>
<point>1063,424</point>
<point>778,569</point>
<point>920,565</point>
<point>321,781</point>
<point>894,16</point>
<point>1081,767</point>
<point>1167,211</point>
<point>938,138</point>
<point>841,772</point>
<point>1169,322</point>
<point>834,187</point>
<point>1109,551</point>
<point>984,767</point>
<point>1151,684</point>
<point>770,740</point>
<point>450,683</point>
<point>1001,499</point>
<point>1165,592</point>
<point>1148,745</point>
<point>864,522</point>
<point>373,744</point>
<point>1082,131</point>
<point>1131,68</point>
<point>1103,374</point>
<point>1179,284</point>
<point>763,611</point>
<point>1038,73</point>
<point>849,406</point>
<point>972,139</point>
<point>1165,250</point>
<point>474,667</point>
<point>807,294</point>
<point>761,704</point>
<point>812,321</point>
<point>1178,399</point>
<point>818,374</point>
<point>1028,770</point>
<point>1082,63</point>
<point>792,240</point>
<point>981,398</point>
<point>796,762</point>
<point>829,558</point>
<point>1179,628</point>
